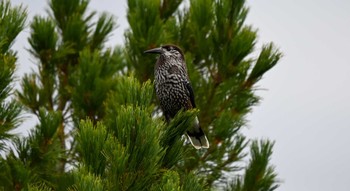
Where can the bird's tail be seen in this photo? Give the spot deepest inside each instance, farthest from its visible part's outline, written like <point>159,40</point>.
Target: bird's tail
<point>197,137</point>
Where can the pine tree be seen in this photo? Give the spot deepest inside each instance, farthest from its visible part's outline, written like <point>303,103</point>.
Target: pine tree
<point>99,124</point>
<point>217,45</point>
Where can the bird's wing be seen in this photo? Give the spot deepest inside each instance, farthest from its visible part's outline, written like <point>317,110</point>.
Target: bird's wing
<point>190,93</point>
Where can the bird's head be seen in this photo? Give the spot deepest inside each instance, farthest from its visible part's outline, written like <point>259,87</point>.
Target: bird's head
<point>168,52</point>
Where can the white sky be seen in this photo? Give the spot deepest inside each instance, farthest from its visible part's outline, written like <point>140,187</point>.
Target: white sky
<point>305,106</point>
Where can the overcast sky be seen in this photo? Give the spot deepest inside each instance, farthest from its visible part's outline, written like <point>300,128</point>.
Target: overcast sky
<point>305,106</point>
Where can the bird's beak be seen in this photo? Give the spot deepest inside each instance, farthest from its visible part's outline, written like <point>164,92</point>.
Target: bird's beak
<point>154,51</point>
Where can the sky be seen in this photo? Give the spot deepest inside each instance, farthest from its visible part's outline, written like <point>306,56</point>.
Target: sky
<point>305,106</point>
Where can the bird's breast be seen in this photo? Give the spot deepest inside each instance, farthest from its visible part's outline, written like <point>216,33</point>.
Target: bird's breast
<point>172,96</point>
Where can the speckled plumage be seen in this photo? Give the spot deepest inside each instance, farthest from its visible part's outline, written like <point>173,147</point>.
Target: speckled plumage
<point>174,90</point>
<point>170,78</point>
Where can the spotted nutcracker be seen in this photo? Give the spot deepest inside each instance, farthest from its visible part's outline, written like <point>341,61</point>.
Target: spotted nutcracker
<point>174,91</point>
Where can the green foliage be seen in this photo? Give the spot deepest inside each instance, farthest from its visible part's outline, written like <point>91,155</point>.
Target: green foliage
<point>259,175</point>
<point>36,157</point>
<point>39,187</point>
<point>86,181</point>
<point>9,110</point>
<point>267,59</point>
<point>11,23</point>
<point>99,127</point>
<point>170,181</point>
<point>171,138</point>
<point>91,144</point>
<point>131,150</point>
<point>43,41</point>
<point>129,91</point>
<point>146,34</point>
<point>15,174</point>
<point>76,72</point>
<point>92,81</point>
<point>130,121</point>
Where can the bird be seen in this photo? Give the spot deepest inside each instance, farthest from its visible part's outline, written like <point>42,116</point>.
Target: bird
<point>174,90</point>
